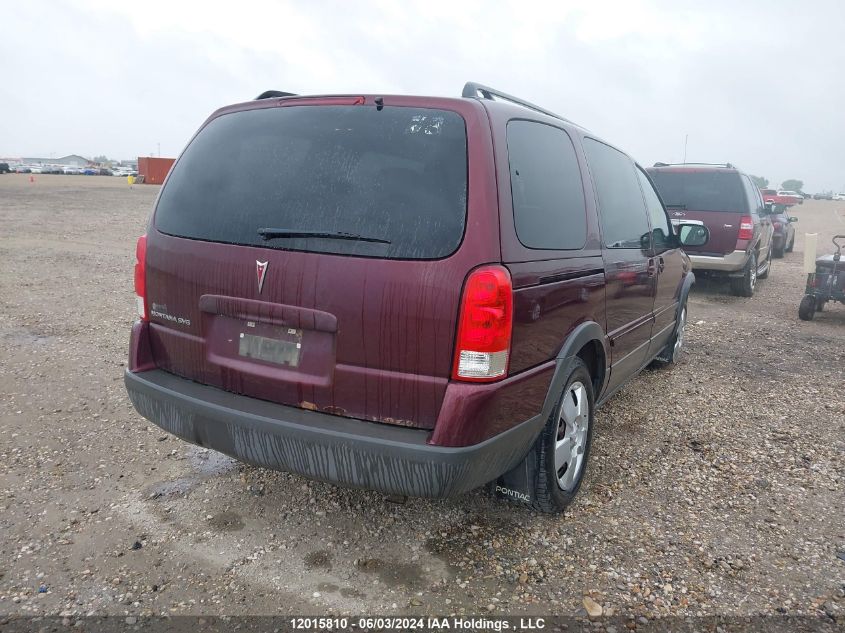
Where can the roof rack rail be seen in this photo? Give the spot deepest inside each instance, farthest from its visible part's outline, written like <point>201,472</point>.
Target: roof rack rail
<point>472,90</point>
<point>269,94</point>
<point>727,165</point>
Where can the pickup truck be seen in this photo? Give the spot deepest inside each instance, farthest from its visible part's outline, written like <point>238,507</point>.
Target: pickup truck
<point>795,195</point>
<point>784,198</point>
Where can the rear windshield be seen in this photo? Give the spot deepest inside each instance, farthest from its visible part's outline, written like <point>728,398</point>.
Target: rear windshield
<point>389,183</point>
<point>701,190</point>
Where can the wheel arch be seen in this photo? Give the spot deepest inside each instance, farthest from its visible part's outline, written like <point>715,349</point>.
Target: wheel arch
<point>589,343</point>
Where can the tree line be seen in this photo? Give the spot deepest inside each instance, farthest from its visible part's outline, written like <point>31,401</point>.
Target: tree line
<point>792,184</point>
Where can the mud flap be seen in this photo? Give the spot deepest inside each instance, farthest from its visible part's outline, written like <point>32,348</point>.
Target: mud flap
<point>518,484</point>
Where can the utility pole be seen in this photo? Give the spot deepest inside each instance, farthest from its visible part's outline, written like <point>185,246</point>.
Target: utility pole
<point>159,150</point>
<point>686,140</point>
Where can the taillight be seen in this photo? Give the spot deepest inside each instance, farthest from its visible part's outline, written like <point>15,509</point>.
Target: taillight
<point>746,228</point>
<point>141,277</point>
<point>777,225</point>
<point>484,326</point>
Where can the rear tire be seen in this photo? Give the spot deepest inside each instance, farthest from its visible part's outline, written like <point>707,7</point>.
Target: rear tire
<point>807,308</point>
<point>563,447</point>
<point>791,245</point>
<point>765,274</point>
<point>778,251</point>
<point>744,286</point>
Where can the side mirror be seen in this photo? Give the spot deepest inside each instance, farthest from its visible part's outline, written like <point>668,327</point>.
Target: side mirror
<point>693,234</point>
<point>792,218</point>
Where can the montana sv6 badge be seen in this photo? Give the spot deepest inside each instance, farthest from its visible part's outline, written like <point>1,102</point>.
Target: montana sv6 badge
<point>159,311</point>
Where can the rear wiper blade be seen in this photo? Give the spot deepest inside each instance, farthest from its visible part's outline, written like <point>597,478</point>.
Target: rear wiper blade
<point>272,234</point>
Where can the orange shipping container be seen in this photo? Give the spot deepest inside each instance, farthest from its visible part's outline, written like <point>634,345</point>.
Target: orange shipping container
<point>154,170</point>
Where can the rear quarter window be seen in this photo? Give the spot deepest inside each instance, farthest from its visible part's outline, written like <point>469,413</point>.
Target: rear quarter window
<point>549,210</point>
<point>755,201</point>
<point>396,175</point>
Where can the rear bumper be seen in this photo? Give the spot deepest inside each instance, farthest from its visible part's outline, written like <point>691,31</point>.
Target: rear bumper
<point>389,459</point>
<point>732,262</point>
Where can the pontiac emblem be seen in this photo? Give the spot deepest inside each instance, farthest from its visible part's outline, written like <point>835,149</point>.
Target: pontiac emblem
<point>261,273</point>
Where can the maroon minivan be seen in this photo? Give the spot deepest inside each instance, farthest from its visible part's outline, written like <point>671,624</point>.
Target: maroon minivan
<point>414,295</point>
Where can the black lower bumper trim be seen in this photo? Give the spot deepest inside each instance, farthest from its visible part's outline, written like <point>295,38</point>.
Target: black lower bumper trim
<point>390,459</point>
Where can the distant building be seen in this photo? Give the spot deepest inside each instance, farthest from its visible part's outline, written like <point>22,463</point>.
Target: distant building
<point>73,159</point>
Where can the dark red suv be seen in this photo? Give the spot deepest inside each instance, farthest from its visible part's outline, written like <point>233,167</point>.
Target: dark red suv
<point>726,201</point>
<point>415,295</point>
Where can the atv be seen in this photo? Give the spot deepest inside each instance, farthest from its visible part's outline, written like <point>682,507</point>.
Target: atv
<point>827,283</point>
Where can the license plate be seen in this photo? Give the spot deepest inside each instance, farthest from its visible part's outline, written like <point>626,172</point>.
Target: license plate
<point>281,351</point>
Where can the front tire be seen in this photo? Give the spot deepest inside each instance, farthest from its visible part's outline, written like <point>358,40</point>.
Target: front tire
<point>791,245</point>
<point>563,447</point>
<point>671,354</point>
<point>744,286</point>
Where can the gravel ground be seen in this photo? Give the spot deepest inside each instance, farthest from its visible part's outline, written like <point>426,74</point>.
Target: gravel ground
<point>714,488</point>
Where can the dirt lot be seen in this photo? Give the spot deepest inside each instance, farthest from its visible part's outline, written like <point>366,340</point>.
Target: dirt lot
<point>714,488</point>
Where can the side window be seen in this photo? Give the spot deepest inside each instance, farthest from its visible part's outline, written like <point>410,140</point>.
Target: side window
<point>661,233</point>
<point>549,210</point>
<point>623,215</point>
<point>760,203</point>
<point>753,199</point>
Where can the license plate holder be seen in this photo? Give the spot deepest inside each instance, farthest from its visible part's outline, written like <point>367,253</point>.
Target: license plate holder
<point>283,349</point>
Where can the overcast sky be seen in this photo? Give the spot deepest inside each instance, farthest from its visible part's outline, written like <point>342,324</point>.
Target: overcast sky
<point>757,83</point>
